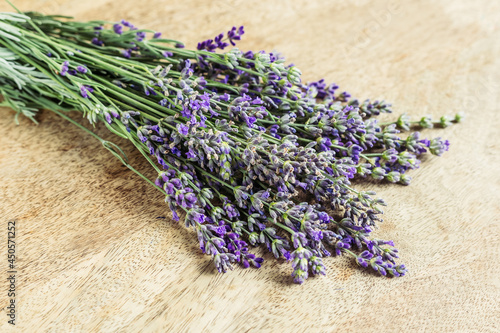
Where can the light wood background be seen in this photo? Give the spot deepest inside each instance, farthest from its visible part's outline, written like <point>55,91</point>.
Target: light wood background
<point>95,257</point>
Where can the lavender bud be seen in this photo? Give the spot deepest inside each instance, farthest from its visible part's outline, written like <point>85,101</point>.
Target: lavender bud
<point>404,122</point>
<point>444,121</point>
<point>426,122</point>
<point>378,173</point>
<point>393,176</point>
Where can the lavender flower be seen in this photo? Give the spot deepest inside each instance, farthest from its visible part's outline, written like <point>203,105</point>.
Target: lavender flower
<point>81,69</point>
<point>236,137</point>
<point>438,146</point>
<point>300,263</point>
<point>97,42</point>
<point>235,34</point>
<point>118,28</point>
<point>85,90</point>
<point>64,68</point>
<point>140,36</point>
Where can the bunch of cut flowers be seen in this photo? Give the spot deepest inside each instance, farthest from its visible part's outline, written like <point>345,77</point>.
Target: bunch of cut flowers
<point>244,152</point>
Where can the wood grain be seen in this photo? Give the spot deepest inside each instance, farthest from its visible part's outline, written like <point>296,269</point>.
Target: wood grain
<point>95,257</point>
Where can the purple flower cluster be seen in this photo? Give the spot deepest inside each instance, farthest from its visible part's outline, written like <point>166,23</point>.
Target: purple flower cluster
<point>271,141</point>
<point>219,42</point>
<point>250,155</point>
<point>80,69</point>
<point>85,90</point>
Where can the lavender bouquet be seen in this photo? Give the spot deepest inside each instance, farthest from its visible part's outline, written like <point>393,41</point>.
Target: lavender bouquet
<point>244,151</point>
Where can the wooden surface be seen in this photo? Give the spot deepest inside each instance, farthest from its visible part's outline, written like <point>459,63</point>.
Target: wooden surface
<point>95,257</point>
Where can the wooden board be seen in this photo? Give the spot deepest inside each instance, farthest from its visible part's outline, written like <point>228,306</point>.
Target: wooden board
<point>95,257</point>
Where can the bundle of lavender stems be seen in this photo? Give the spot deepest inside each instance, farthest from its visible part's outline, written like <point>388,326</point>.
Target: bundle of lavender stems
<point>244,151</point>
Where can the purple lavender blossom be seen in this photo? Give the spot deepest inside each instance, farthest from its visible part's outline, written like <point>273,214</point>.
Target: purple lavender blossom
<point>85,90</point>
<point>82,69</point>
<point>235,34</point>
<point>127,53</point>
<point>118,28</point>
<point>438,146</point>
<point>300,264</point>
<point>127,24</point>
<point>167,54</point>
<point>183,129</point>
<point>236,146</point>
<point>64,68</point>
<point>97,42</point>
<point>108,118</point>
<point>218,42</point>
<point>140,36</point>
